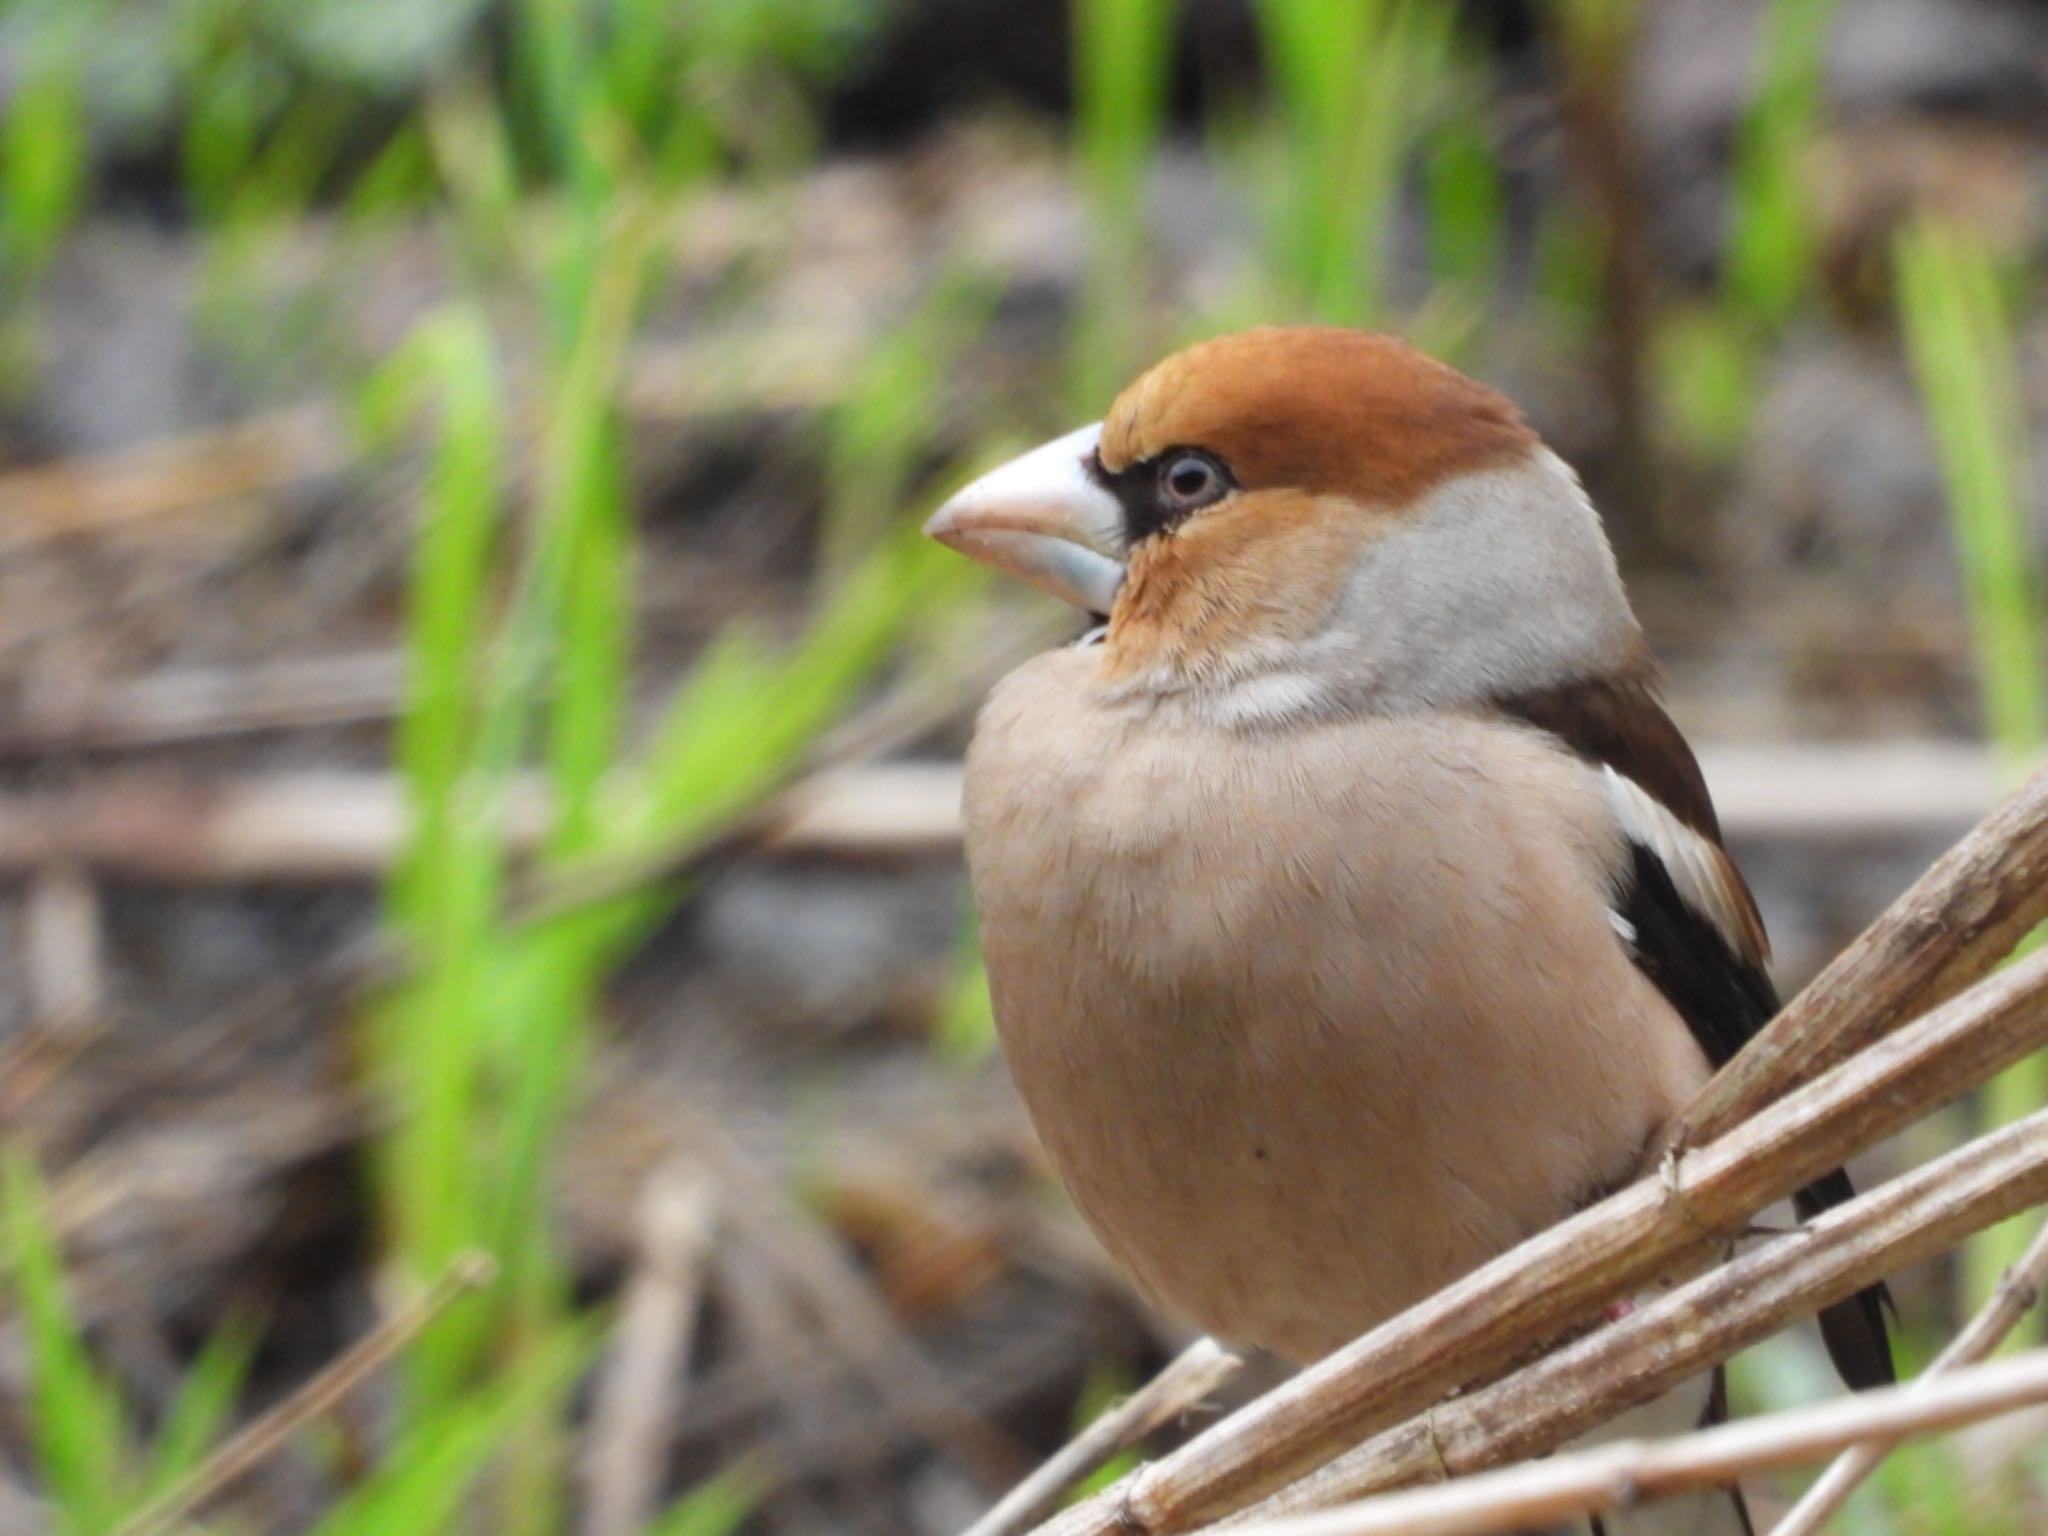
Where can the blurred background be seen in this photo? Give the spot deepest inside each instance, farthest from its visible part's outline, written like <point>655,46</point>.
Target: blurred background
<point>477,721</point>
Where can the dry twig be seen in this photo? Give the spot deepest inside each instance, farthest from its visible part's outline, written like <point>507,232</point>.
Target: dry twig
<point>637,1396</point>
<point>1189,1377</point>
<point>336,826</point>
<point>1679,1335</point>
<point>2018,1290</point>
<point>847,1309</point>
<point>141,484</point>
<point>204,703</point>
<point>260,1439</point>
<point>1614,1477</point>
<point>63,949</point>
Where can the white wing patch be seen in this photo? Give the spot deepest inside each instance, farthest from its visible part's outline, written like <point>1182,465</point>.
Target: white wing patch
<point>1699,870</point>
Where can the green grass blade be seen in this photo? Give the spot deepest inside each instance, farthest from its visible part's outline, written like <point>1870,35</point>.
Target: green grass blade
<point>43,143</point>
<point>1769,260</point>
<point>639,62</point>
<point>427,1478</point>
<point>1959,340</point>
<point>397,183</point>
<point>591,681</point>
<point>549,87</point>
<point>452,357</point>
<point>1467,203</point>
<point>883,423</point>
<point>745,714</point>
<point>966,1029</point>
<point>429,1043</point>
<point>76,1423</point>
<point>202,1406</point>
<point>1351,83</point>
<point>1123,50</point>
<point>221,131</point>
<point>582,503</point>
<point>1316,58</point>
<point>714,1508</point>
<point>1105,1383</point>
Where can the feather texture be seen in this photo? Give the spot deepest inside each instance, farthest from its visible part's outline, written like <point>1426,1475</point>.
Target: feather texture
<point>1352,910</point>
<point>1687,918</point>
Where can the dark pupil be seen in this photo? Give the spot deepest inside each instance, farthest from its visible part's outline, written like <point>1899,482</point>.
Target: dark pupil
<point>1189,478</point>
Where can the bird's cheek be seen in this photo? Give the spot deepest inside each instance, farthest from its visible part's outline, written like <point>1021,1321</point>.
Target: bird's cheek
<point>1272,571</point>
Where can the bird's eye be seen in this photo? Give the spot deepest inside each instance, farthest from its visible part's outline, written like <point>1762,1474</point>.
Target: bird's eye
<point>1189,481</point>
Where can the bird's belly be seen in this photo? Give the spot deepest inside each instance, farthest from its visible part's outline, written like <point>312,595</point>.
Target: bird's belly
<point>1287,1214</point>
<point>1289,1180</point>
<point>1298,1067</point>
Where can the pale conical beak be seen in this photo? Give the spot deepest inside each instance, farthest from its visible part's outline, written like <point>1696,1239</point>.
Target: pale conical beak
<point>1044,519</point>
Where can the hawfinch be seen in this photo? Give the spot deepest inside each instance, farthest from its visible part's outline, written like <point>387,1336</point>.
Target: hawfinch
<point>1352,910</point>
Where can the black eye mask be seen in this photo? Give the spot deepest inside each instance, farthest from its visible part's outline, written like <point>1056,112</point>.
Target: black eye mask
<point>1160,493</point>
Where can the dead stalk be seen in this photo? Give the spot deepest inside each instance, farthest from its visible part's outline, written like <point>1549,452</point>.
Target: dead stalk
<point>634,1408</point>
<point>64,946</point>
<point>350,825</point>
<point>2018,1290</point>
<point>1615,1477</point>
<point>142,485</point>
<point>1674,1338</point>
<point>1189,1377</point>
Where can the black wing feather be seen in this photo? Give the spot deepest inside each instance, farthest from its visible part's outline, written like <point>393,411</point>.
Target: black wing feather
<point>1724,1000</point>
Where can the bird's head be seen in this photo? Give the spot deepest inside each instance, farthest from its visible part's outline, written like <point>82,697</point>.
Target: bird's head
<point>1293,521</point>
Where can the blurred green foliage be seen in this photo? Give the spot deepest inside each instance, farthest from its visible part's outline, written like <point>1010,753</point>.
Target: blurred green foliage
<point>1122,54</point>
<point>1958,335</point>
<point>547,141</point>
<point>1710,351</point>
<point>1350,81</point>
<point>99,1466</point>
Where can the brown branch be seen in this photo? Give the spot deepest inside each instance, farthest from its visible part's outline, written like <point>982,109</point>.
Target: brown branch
<point>63,948</point>
<point>189,704</point>
<point>1616,1477</point>
<point>1189,1377</point>
<point>329,825</point>
<point>146,482</point>
<point>1599,41</point>
<point>1561,1278</point>
<point>1676,1337</point>
<point>2018,1290</point>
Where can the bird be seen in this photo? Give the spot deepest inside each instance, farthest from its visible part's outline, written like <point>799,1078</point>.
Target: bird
<point>1352,909</point>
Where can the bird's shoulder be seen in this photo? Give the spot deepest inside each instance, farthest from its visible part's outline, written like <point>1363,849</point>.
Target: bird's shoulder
<point>1679,876</point>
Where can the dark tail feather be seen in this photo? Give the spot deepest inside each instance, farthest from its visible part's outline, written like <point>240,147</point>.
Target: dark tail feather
<point>1717,1413</point>
<point>1857,1338</point>
<point>1708,1512</point>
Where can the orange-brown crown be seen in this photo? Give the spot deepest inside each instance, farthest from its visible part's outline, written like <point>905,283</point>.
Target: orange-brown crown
<point>1320,410</point>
